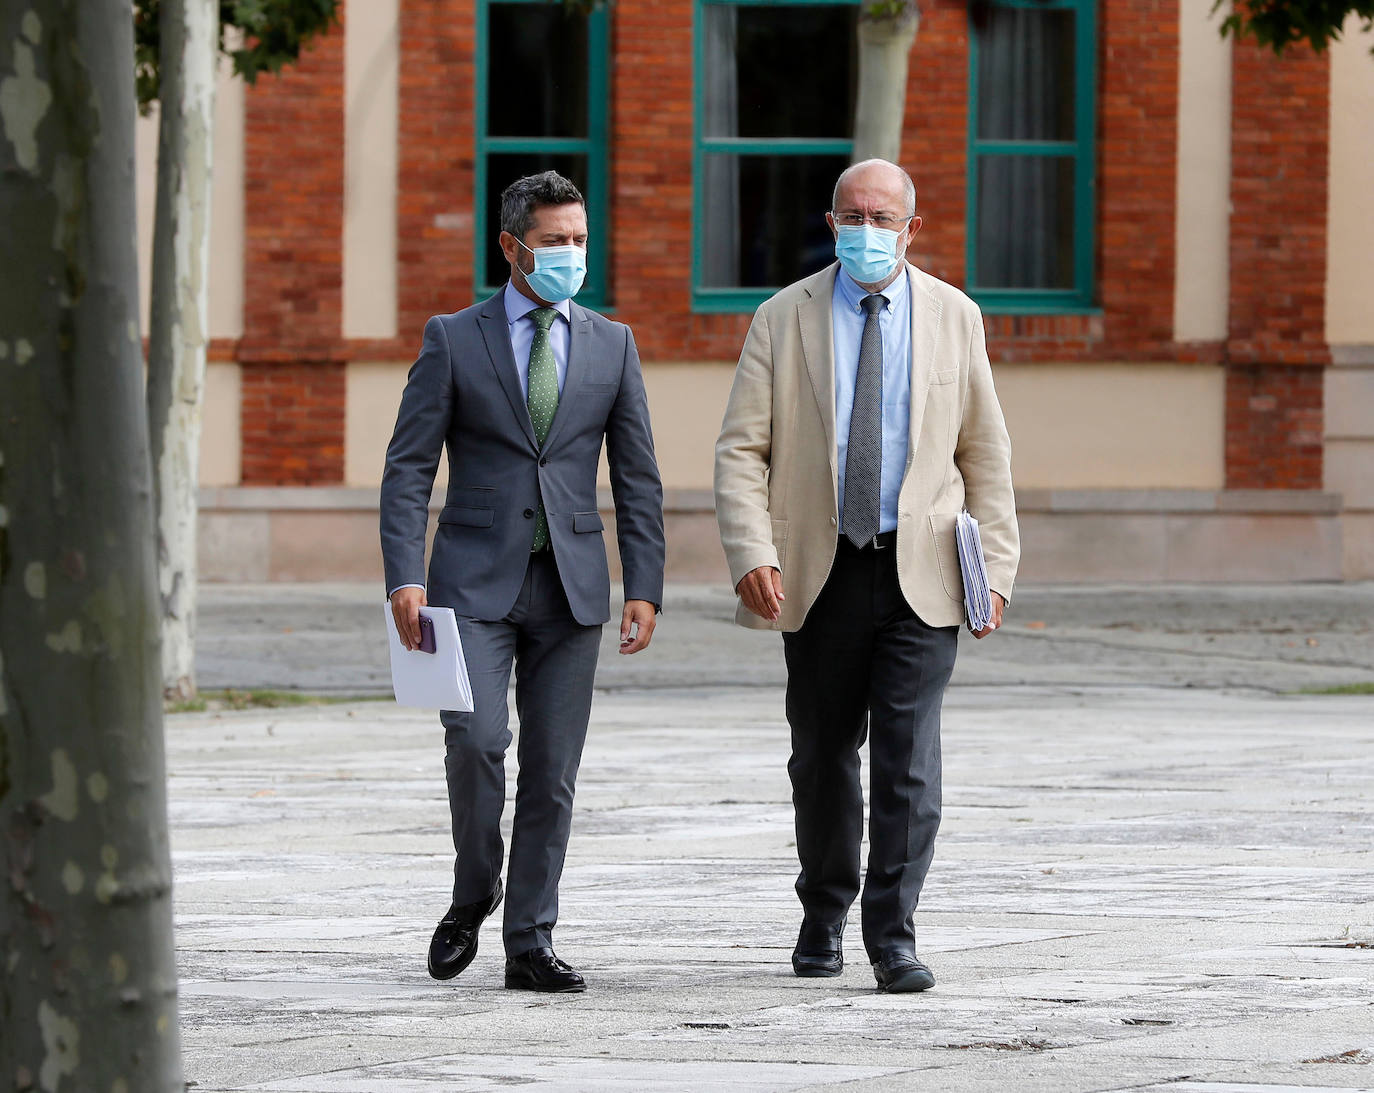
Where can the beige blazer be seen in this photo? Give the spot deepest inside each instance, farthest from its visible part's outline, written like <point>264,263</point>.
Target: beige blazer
<point>775,477</point>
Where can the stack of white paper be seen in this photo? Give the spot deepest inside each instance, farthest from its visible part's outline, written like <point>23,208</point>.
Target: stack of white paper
<point>973,566</point>
<point>432,681</point>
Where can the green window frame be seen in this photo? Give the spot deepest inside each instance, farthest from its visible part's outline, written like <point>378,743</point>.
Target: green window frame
<point>709,299</point>
<point>594,146</point>
<point>1079,297</point>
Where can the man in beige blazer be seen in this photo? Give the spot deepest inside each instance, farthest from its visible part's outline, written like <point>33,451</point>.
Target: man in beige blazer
<point>861,421</point>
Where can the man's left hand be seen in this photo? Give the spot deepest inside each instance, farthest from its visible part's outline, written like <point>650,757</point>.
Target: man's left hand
<point>636,625</point>
<point>996,621</point>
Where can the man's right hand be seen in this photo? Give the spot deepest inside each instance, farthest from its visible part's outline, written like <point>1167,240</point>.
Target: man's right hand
<point>405,609</point>
<point>761,592</point>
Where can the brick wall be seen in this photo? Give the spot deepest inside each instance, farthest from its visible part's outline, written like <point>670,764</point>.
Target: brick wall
<point>1273,427</point>
<point>292,349</point>
<point>434,221</point>
<point>651,187</point>
<point>934,138</point>
<point>294,193</point>
<point>1276,340</point>
<point>293,423</point>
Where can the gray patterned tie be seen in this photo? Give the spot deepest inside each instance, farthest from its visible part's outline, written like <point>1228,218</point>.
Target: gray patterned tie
<point>863,465</point>
<point>542,398</point>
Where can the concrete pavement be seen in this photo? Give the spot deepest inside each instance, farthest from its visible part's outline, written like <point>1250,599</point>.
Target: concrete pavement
<point>1154,871</point>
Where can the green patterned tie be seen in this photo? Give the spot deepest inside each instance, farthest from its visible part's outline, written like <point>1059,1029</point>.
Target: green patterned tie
<point>542,399</point>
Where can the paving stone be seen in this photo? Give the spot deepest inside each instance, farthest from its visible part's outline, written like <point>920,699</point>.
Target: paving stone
<point>1139,885</point>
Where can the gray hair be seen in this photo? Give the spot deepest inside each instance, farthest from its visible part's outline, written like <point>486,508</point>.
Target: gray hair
<point>908,187</point>
<point>524,195</point>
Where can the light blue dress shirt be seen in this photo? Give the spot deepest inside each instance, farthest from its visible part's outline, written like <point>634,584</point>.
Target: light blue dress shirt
<point>894,322</point>
<point>518,308</point>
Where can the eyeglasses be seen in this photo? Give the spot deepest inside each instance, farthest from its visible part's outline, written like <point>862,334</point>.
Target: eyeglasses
<point>881,220</point>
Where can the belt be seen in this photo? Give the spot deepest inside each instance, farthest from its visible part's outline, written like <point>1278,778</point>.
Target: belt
<point>883,541</point>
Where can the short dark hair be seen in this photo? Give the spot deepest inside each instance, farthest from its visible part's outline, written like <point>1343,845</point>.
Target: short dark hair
<point>524,195</point>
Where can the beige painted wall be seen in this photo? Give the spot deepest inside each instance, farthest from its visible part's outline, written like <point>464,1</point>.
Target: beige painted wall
<point>1201,241</point>
<point>686,402</point>
<point>371,398</point>
<point>220,445</point>
<point>226,207</point>
<point>1104,426</point>
<point>1149,426</point>
<point>371,66</point>
<point>1350,223</point>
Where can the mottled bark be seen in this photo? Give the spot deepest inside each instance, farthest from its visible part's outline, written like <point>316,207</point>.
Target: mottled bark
<point>887,31</point>
<point>179,317</point>
<point>88,994</point>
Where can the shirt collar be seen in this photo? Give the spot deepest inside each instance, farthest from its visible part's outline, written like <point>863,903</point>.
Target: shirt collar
<point>852,293</point>
<point>518,305</point>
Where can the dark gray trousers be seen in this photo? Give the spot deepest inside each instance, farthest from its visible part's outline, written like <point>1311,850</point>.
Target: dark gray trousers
<point>554,658</point>
<point>864,664</point>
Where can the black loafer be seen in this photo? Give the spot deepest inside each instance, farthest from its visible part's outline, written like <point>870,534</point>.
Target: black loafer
<point>820,950</point>
<point>540,970</point>
<point>454,943</point>
<point>899,972</point>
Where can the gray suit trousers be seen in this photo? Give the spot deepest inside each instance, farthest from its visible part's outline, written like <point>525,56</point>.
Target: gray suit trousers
<point>863,664</point>
<point>554,658</point>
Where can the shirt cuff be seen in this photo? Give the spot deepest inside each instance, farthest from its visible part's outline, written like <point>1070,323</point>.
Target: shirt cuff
<point>401,586</point>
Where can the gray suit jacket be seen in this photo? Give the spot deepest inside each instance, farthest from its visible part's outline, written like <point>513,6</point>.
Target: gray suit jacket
<point>464,391</point>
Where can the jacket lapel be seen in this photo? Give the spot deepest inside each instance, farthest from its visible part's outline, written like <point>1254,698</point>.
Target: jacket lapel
<point>579,337</point>
<point>491,320</point>
<point>818,347</point>
<point>925,331</point>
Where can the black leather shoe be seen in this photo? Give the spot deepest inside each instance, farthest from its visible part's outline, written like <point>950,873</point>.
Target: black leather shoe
<point>820,951</point>
<point>454,943</point>
<point>540,970</point>
<point>899,972</point>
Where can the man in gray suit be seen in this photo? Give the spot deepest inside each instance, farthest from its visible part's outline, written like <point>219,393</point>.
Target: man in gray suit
<point>522,388</point>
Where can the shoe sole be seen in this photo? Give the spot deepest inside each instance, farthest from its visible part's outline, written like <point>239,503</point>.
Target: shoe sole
<point>462,965</point>
<point>519,986</point>
<point>911,983</point>
<point>816,973</point>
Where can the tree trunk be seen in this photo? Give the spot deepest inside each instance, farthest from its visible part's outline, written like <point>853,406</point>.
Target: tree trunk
<point>88,992</point>
<point>884,43</point>
<point>179,317</point>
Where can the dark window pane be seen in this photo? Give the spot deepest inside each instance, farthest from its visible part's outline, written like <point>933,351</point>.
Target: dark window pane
<point>764,218</point>
<point>538,71</point>
<point>1026,75</point>
<point>778,71</point>
<point>1025,222</point>
<point>505,168</point>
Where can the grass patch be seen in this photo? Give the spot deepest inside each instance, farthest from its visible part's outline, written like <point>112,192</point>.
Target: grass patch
<point>1339,689</point>
<point>263,700</point>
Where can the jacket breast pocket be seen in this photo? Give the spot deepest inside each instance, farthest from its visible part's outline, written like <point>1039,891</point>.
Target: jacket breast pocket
<point>467,517</point>
<point>945,375</point>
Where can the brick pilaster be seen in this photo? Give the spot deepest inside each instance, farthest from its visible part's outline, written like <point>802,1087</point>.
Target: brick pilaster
<point>434,214</point>
<point>934,139</point>
<point>1276,344</point>
<point>293,423</point>
<point>293,271</point>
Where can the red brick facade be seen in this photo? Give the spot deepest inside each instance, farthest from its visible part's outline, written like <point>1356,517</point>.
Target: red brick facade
<point>292,347</point>
<point>434,200</point>
<point>293,423</point>
<point>1276,343</point>
<point>294,179</point>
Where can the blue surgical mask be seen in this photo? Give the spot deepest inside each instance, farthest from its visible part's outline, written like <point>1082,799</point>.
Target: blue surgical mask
<point>558,272</point>
<point>868,254</point>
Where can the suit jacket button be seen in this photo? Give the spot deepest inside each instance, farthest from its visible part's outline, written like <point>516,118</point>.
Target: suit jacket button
<point>544,462</point>
<point>529,514</point>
